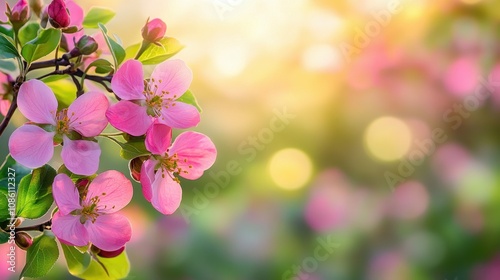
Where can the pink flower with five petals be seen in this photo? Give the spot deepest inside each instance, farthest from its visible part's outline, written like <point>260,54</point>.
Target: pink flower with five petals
<point>155,99</point>
<point>189,156</point>
<point>93,218</point>
<point>32,144</point>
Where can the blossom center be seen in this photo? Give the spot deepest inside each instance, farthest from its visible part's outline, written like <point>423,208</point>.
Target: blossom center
<point>157,99</point>
<point>62,122</point>
<point>89,212</point>
<point>169,165</point>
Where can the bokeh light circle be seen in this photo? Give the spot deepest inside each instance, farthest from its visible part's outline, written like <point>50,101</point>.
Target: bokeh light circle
<point>290,168</point>
<point>388,138</point>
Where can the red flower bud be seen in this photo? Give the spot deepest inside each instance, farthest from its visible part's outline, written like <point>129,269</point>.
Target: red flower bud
<point>135,166</point>
<point>58,14</point>
<point>20,13</point>
<point>154,30</point>
<point>107,254</point>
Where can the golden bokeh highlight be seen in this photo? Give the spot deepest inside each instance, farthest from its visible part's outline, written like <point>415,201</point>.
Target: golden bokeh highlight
<point>387,138</point>
<point>290,168</point>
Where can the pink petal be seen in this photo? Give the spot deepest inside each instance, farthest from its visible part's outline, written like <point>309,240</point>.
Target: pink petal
<point>158,138</point>
<point>76,13</point>
<point>172,76</point>
<point>31,146</point>
<point>65,194</point>
<point>109,232</point>
<point>147,178</point>
<point>128,81</point>
<point>81,156</point>
<point>113,189</point>
<point>181,115</point>
<point>88,114</point>
<point>167,193</point>
<point>129,117</point>
<point>37,102</point>
<point>4,106</point>
<point>196,153</point>
<point>69,230</point>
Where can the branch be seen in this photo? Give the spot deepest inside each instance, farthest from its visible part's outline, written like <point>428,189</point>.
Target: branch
<point>10,113</point>
<point>41,227</point>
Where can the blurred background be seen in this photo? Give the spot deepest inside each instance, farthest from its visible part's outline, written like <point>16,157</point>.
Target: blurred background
<point>356,140</point>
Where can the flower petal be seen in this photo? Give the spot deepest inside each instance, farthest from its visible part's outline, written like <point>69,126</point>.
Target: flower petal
<point>147,178</point>
<point>87,114</point>
<point>173,77</point>
<point>4,106</point>
<point>113,189</point>
<point>31,146</point>
<point>65,194</point>
<point>76,13</point>
<point>37,102</point>
<point>167,193</point>
<point>158,138</point>
<point>69,230</point>
<point>196,153</point>
<point>109,232</point>
<point>128,81</point>
<point>129,117</point>
<point>180,115</point>
<point>81,156</point>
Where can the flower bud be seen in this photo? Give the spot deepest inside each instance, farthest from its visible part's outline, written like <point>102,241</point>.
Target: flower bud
<point>19,14</point>
<point>135,166</point>
<point>112,254</point>
<point>23,240</point>
<point>87,45</point>
<point>58,14</point>
<point>154,30</point>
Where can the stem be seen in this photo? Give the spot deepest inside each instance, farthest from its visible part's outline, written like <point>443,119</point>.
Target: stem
<point>111,134</point>
<point>8,116</point>
<point>41,227</point>
<point>144,46</point>
<point>111,138</point>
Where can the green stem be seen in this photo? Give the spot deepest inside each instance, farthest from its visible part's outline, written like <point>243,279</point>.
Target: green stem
<point>144,46</point>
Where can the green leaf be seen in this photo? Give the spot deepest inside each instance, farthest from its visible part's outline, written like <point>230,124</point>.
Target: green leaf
<point>117,268</point>
<point>97,15</point>
<point>8,65</point>
<point>11,173</point>
<point>133,148</point>
<point>156,54</point>
<point>45,42</point>
<point>28,32</point>
<point>76,261</point>
<point>34,196</point>
<point>64,89</point>
<point>4,236</point>
<point>189,98</point>
<point>102,66</point>
<point>6,31</point>
<point>41,256</point>
<point>117,51</point>
<point>7,47</point>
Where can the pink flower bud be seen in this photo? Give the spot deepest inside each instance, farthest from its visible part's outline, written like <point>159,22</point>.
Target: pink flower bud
<point>20,13</point>
<point>58,14</point>
<point>154,30</point>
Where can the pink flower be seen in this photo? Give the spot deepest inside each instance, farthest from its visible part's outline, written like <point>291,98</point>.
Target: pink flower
<point>93,218</point>
<point>33,143</point>
<point>154,99</point>
<point>154,30</point>
<point>189,156</point>
<point>59,15</point>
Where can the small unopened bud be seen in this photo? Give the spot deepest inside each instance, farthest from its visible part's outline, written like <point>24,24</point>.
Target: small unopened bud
<point>23,240</point>
<point>44,17</point>
<point>81,185</point>
<point>135,166</point>
<point>19,14</point>
<point>109,254</point>
<point>87,45</point>
<point>36,6</point>
<point>58,14</point>
<point>154,30</point>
